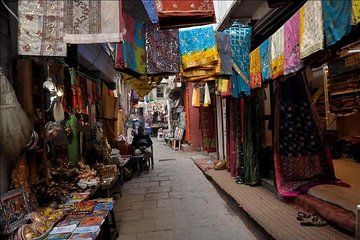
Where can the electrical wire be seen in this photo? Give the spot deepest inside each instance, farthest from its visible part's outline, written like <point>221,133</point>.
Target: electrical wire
<point>11,12</point>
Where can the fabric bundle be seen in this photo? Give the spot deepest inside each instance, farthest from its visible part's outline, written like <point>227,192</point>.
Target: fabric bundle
<point>240,38</point>
<point>265,59</point>
<point>291,42</point>
<point>179,13</point>
<point>255,69</point>
<point>162,50</point>
<point>277,53</point>
<point>200,59</point>
<point>92,21</point>
<point>224,48</point>
<point>311,28</point>
<point>337,18</point>
<point>41,28</point>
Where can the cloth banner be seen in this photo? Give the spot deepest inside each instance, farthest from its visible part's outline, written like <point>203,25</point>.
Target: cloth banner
<point>277,53</point>
<point>311,28</point>
<point>265,59</point>
<point>162,50</point>
<point>337,18</point>
<point>240,40</point>
<point>151,11</point>
<point>255,69</point>
<point>355,12</point>
<point>41,28</point>
<point>291,42</point>
<point>224,48</point>
<point>92,21</point>
<point>142,85</point>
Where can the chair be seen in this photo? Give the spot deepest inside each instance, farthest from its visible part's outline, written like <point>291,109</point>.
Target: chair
<point>160,134</point>
<point>178,135</point>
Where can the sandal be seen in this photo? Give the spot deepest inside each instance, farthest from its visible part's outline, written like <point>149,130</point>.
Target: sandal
<point>302,216</point>
<point>315,221</point>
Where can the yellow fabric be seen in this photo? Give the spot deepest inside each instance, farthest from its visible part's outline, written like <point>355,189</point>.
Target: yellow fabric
<point>255,69</point>
<point>109,103</point>
<point>142,85</point>
<point>277,66</point>
<point>301,24</point>
<point>201,78</point>
<point>196,59</point>
<point>356,11</point>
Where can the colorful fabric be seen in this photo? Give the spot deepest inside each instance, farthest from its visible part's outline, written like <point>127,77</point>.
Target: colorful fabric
<point>89,21</point>
<point>291,42</point>
<point>277,53</point>
<point>337,17</point>
<point>162,50</point>
<point>255,69</point>
<point>240,37</point>
<point>311,28</point>
<point>301,157</point>
<point>224,48</point>
<point>224,87</point>
<point>151,11</point>
<point>142,85</point>
<point>41,28</point>
<point>265,59</point>
<point>355,12</point>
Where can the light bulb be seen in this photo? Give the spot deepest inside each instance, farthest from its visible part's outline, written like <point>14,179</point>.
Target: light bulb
<point>59,93</point>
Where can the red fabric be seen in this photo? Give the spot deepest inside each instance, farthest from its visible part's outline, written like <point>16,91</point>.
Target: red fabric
<point>232,143</point>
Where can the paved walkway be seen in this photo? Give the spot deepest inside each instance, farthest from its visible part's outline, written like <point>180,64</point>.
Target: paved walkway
<point>175,201</point>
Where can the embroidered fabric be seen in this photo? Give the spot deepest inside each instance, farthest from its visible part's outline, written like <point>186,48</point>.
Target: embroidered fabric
<point>292,50</point>
<point>265,59</point>
<point>277,53</point>
<point>255,69</point>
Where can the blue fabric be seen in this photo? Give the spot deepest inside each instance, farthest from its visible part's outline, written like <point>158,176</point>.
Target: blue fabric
<point>223,45</point>
<point>240,37</point>
<point>337,17</point>
<point>151,11</point>
<point>196,40</point>
<point>265,60</point>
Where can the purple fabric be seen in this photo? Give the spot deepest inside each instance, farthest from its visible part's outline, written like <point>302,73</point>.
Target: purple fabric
<point>291,42</point>
<point>224,48</point>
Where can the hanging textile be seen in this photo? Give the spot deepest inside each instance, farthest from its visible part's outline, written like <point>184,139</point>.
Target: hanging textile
<point>355,12</point>
<point>301,157</point>
<point>253,115</point>
<point>255,69</point>
<point>207,99</point>
<point>142,85</point>
<point>41,28</point>
<point>162,50</point>
<point>207,125</point>
<point>337,18</point>
<point>240,37</point>
<point>311,28</point>
<point>291,42</point>
<point>224,48</point>
<point>73,140</point>
<point>151,11</point>
<point>179,13</point>
<point>223,87</point>
<point>277,53</point>
<point>265,59</point>
<point>109,103</point>
<point>91,21</point>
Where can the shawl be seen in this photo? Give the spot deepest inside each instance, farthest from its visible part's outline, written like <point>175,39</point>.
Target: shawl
<point>265,59</point>
<point>223,45</point>
<point>41,28</point>
<point>311,28</point>
<point>277,53</point>
<point>337,17</point>
<point>255,69</point>
<point>90,21</point>
<point>291,41</point>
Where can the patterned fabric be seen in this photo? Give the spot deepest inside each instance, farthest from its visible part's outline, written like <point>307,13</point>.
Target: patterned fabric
<point>207,124</point>
<point>301,158</point>
<point>223,87</point>
<point>265,59</point>
<point>292,50</point>
<point>355,12</point>
<point>41,28</point>
<point>255,69</point>
<point>277,53</point>
<point>240,37</point>
<point>151,11</point>
<point>223,45</point>
<point>337,17</point>
<point>92,21</point>
<point>162,50</point>
<point>311,28</point>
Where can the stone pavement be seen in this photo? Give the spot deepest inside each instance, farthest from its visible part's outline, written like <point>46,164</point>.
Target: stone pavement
<point>175,201</point>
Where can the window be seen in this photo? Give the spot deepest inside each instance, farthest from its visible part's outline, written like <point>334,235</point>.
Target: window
<point>160,92</point>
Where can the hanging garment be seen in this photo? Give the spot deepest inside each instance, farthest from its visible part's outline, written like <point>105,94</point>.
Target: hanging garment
<point>291,42</point>
<point>224,48</point>
<point>255,69</point>
<point>179,13</point>
<point>337,18</point>
<point>277,53</point>
<point>300,155</point>
<point>151,10</point>
<point>207,99</point>
<point>240,37</point>
<point>355,12</point>
<point>162,50</point>
<point>41,28</point>
<point>311,28</point>
<point>73,140</point>
<point>109,103</point>
<point>265,59</point>
<point>208,129</point>
<point>92,21</point>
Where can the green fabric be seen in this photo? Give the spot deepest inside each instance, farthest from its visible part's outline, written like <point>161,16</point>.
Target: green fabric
<point>73,140</point>
<point>110,85</point>
<point>253,137</point>
<point>72,76</point>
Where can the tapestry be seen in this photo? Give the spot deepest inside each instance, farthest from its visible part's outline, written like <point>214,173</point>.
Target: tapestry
<point>265,59</point>
<point>161,50</point>
<point>300,155</point>
<point>41,28</point>
<point>224,48</point>
<point>207,124</point>
<point>291,42</point>
<point>92,21</point>
<point>355,12</point>
<point>150,10</point>
<point>311,28</point>
<point>337,18</point>
<point>255,69</point>
<point>240,40</point>
<point>179,13</point>
<point>277,53</point>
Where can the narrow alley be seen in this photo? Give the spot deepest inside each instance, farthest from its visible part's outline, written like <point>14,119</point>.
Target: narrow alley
<point>175,201</point>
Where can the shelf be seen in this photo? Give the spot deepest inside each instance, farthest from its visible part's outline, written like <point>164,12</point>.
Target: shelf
<point>345,92</point>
